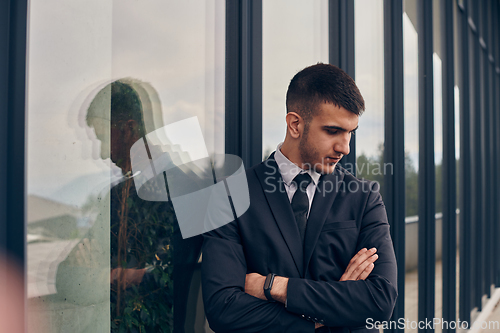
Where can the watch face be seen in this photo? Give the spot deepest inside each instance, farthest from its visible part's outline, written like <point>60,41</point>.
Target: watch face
<point>269,280</point>
<point>266,284</point>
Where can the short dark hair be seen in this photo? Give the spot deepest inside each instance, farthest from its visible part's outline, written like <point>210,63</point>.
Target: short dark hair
<point>322,83</point>
<point>125,104</point>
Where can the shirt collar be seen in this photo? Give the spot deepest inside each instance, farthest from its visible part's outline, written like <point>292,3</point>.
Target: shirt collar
<point>289,170</point>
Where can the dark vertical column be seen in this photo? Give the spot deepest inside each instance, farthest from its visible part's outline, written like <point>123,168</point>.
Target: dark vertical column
<point>484,135</point>
<point>394,191</point>
<point>426,186</point>
<point>233,94</point>
<point>488,72</point>
<point>4,108</point>
<point>244,80</point>
<point>496,233</point>
<point>13,38</point>
<point>449,233</point>
<point>341,53</point>
<point>12,128</point>
<point>492,143</point>
<point>496,94</point>
<point>477,197</point>
<point>465,172</point>
<point>497,176</point>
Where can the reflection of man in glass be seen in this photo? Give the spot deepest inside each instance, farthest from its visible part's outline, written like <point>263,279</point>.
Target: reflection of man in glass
<point>143,234</point>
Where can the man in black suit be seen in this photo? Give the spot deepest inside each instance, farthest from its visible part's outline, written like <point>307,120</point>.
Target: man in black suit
<point>302,257</point>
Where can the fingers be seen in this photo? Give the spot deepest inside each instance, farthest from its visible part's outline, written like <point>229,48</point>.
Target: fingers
<point>360,257</point>
<point>359,266</point>
<point>366,272</point>
<point>363,270</point>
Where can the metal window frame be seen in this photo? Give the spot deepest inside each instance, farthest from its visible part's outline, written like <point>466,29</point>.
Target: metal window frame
<point>427,173</point>
<point>477,194</point>
<point>341,53</point>
<point>465,163</point>
<point>485,249</point>
<point>4,117</point>
<point>491,147</point>
<point>496,112</point>
<point>13,40</point>
<point>449,226</point>
<point>394,191</point>
<point>243,96</point>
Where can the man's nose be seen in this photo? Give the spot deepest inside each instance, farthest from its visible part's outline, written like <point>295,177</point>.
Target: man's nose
<point>342,145</point>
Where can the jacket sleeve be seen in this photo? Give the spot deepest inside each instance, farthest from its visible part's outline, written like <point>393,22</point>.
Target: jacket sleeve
<point>351,303</point>
<point>228,308</point>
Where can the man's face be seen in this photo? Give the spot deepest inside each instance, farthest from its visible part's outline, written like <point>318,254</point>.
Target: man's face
<point>326,139</point>
<point>112,141</point>
<point>102,129</point>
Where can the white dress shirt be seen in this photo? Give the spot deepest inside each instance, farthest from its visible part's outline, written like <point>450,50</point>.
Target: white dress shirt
<point>288,172</point>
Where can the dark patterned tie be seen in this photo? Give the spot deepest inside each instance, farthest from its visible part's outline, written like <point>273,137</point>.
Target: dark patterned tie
<point>300,202</point>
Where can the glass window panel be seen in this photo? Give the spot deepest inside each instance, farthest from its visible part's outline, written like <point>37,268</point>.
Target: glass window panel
<point>68,53</point>
<point>410,53</point>
<point>369,39</point>
<point>438,156</point>
<point>438,160</point>
<point>101,75</point>
<point>294,36</point>
<point>410,44</point>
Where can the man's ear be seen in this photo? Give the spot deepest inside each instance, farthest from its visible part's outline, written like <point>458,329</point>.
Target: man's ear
<point>295,124</point>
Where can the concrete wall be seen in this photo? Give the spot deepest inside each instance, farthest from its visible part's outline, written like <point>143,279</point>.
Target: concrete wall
<point>411,241</point>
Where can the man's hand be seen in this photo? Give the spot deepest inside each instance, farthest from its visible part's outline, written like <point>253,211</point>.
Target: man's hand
<point>128,276</point>
<point>360,266</point>
<point>254,285</point>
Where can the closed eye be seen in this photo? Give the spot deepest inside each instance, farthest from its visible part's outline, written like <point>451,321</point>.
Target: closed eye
<point>332,130</point>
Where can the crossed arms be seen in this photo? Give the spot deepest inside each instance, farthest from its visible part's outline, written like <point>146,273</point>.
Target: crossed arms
<point>234,303</point>
<point>360,266</point>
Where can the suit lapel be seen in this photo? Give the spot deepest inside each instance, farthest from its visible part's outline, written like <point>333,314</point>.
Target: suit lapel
<point>274,189</point>
<point>324,197</point>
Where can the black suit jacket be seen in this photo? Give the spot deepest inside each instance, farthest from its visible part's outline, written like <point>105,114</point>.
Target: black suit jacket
<point>347,215</point>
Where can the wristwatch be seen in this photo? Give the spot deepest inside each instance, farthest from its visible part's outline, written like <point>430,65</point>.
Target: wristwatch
<point>268,285</point>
